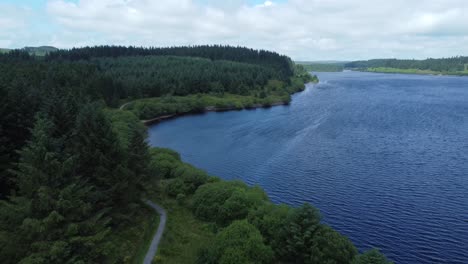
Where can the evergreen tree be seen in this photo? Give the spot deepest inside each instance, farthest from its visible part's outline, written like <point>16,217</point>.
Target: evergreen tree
<point>52,219</point>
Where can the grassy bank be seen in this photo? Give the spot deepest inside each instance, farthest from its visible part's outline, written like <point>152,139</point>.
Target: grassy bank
<point>130,242</point>
<point>160,106</point>
<point>184,235</point>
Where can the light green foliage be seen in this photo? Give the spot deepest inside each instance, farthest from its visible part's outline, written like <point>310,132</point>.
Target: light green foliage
<point>125,124</point>
<point>177,177</point>
<point>161,106</point>
<point>223,202</point>
<point>371,257</point>
<point>240,242</point>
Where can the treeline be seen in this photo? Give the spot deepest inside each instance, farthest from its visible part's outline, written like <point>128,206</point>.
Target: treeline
<point>248,227</point>
<point>323,67</point>
<point>449,65</point>
<point>282,64</point>
<point>120,77</point>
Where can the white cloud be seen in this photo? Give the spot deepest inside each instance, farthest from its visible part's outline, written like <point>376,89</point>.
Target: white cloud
<point>303,29</point>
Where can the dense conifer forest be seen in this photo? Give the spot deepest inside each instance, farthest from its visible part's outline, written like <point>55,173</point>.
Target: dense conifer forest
<point>74,168</point>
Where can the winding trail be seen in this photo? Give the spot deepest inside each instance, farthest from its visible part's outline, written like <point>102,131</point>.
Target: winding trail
<point>124,105</point>
<point>157,237</point>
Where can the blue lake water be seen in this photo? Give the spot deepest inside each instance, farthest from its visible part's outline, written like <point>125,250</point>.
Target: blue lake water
<point>383,156</point>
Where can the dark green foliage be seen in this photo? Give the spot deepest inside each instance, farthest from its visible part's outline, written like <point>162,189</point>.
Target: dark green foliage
<point>270,219</point>
<point>322,67</point>
<point>371,257</point>
<point>296,238</point>
<point>53,219</point>
<point>73,177</point>
<point>329,247</point>
<point>152,76</point>
<point>116,172</point>
<point>240,242</point>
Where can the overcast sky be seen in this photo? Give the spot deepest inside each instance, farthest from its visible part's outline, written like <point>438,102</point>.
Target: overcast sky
<point>302,29</point>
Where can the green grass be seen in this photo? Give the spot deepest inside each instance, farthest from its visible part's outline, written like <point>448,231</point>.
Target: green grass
<point>129,243</point>
<point>184,235</point>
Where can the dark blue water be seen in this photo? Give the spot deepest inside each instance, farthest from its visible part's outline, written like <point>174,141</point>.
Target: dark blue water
<point>384,157</point>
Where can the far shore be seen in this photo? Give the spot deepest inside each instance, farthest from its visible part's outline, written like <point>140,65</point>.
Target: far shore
<point>410,71</point>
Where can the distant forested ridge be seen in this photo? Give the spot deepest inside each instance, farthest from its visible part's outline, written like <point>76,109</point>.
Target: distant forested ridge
<point>74,168</point>
<point>454,65</point>
<point>322,67</point>
<point>36,51</point>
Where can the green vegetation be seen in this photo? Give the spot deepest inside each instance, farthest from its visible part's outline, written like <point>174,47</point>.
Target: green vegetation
<point>322,67</point>
<point>4,50</point>
<point>446,66</point>
<point>129,243</point>
<point>167,105</point>
<point>184,235</point>
<point>74,168</point>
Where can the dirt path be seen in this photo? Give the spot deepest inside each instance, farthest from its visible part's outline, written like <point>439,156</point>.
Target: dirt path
<point>157,237</point>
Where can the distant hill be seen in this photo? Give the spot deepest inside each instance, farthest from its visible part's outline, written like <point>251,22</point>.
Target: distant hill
<point>453,65</point>
<point>40,51</point>
<point>322,62</point>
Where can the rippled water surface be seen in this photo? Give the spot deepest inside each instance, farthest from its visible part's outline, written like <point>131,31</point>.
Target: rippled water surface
<point>384,157</point>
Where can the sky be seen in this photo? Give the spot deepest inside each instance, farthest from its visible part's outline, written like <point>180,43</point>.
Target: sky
<point>302,29</point>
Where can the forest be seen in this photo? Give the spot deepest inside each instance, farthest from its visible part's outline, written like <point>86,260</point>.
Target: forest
<point>74,168</point>
<point>454,65</point>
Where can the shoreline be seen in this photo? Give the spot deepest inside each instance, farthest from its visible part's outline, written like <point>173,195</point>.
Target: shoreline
<point>207,109</point>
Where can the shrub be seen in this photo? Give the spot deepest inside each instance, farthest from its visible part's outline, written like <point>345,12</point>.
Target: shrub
<point>240,242</point>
